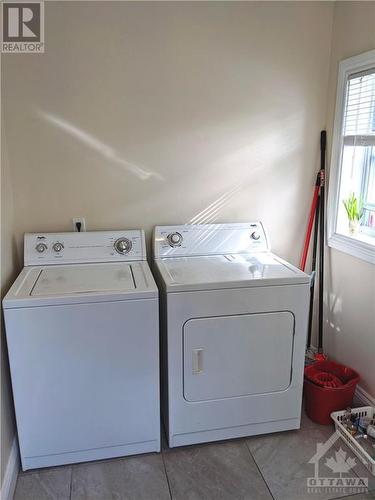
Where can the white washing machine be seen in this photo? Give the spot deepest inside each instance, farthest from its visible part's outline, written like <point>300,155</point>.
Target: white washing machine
<point>83,339</point>
<point>234,323</point>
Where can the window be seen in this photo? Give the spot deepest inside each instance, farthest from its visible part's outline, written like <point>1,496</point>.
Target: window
<point>351,199</point>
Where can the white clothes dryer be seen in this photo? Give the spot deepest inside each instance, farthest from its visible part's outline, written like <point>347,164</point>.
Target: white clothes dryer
<point>233,325</point>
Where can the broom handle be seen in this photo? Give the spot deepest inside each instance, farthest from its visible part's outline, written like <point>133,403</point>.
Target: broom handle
<point>323,143</point>
<point>310,223</point>
<point>313,271</point>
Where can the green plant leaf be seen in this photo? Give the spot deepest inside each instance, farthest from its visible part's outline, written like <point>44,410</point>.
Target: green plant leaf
<point>353,207</point>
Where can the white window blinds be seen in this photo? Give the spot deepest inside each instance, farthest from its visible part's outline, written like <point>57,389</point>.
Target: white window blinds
<point>359,114</point>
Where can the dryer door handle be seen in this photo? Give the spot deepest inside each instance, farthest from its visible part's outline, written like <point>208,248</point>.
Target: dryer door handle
<point>197,362</point>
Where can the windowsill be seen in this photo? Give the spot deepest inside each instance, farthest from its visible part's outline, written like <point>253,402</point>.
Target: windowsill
<point>366,238</point>
<point>360,245</point>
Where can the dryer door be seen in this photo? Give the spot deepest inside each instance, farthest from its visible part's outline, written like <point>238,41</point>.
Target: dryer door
<point>232,356</point>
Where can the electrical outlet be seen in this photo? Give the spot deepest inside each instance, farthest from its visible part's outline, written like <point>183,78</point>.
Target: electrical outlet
<point>76,222</point>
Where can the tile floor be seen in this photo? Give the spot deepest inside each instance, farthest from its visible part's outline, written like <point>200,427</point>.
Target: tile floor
<point>273,466</point>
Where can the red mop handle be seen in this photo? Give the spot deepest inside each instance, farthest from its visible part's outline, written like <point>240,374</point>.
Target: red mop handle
<point>310,223</point>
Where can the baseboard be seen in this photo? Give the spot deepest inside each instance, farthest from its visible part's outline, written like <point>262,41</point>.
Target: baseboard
<point>364,397</point>
<point>11,473</point>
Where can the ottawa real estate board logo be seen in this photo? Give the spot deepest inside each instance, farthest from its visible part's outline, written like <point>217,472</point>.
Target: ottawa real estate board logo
<point>22,27</point>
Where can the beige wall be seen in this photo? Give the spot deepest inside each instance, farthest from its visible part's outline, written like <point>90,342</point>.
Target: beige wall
<point>9,268</point>
<point>148,113</point>
<point>216,99</point>
<point>350,328</point>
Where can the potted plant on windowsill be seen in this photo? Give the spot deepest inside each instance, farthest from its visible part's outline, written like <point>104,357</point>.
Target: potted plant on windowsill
<point>354,211</point>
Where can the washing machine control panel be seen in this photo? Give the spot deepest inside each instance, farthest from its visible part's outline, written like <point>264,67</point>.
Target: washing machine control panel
<point>86,247</point>
<point>209,239</point>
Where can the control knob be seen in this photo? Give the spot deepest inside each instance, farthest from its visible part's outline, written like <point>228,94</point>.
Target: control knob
<point>58,247</point>
<point>41,247</point>
<point>123,246</point>
<point>174,239</point>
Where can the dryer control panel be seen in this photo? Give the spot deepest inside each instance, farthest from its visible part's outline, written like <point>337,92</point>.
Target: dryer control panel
<point>209,239</point>
<point>86,247</point>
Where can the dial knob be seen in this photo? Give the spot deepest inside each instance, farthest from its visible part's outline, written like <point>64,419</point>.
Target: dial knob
<point>255,235</point>
<point>174,239</point>
<point>123,246</point>
<point>41,247</point>
<point>58,247</point>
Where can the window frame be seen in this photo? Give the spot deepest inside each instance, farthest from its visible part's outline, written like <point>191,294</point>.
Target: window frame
<point>364,190</point>
<point>361,246</point>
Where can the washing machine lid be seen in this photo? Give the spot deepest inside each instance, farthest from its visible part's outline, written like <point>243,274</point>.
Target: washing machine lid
<point>67,280</point>
<point>228,271</point>
<point>81,283</point>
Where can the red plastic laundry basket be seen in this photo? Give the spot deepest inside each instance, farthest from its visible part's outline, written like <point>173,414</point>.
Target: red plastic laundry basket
<point>320,401</point>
